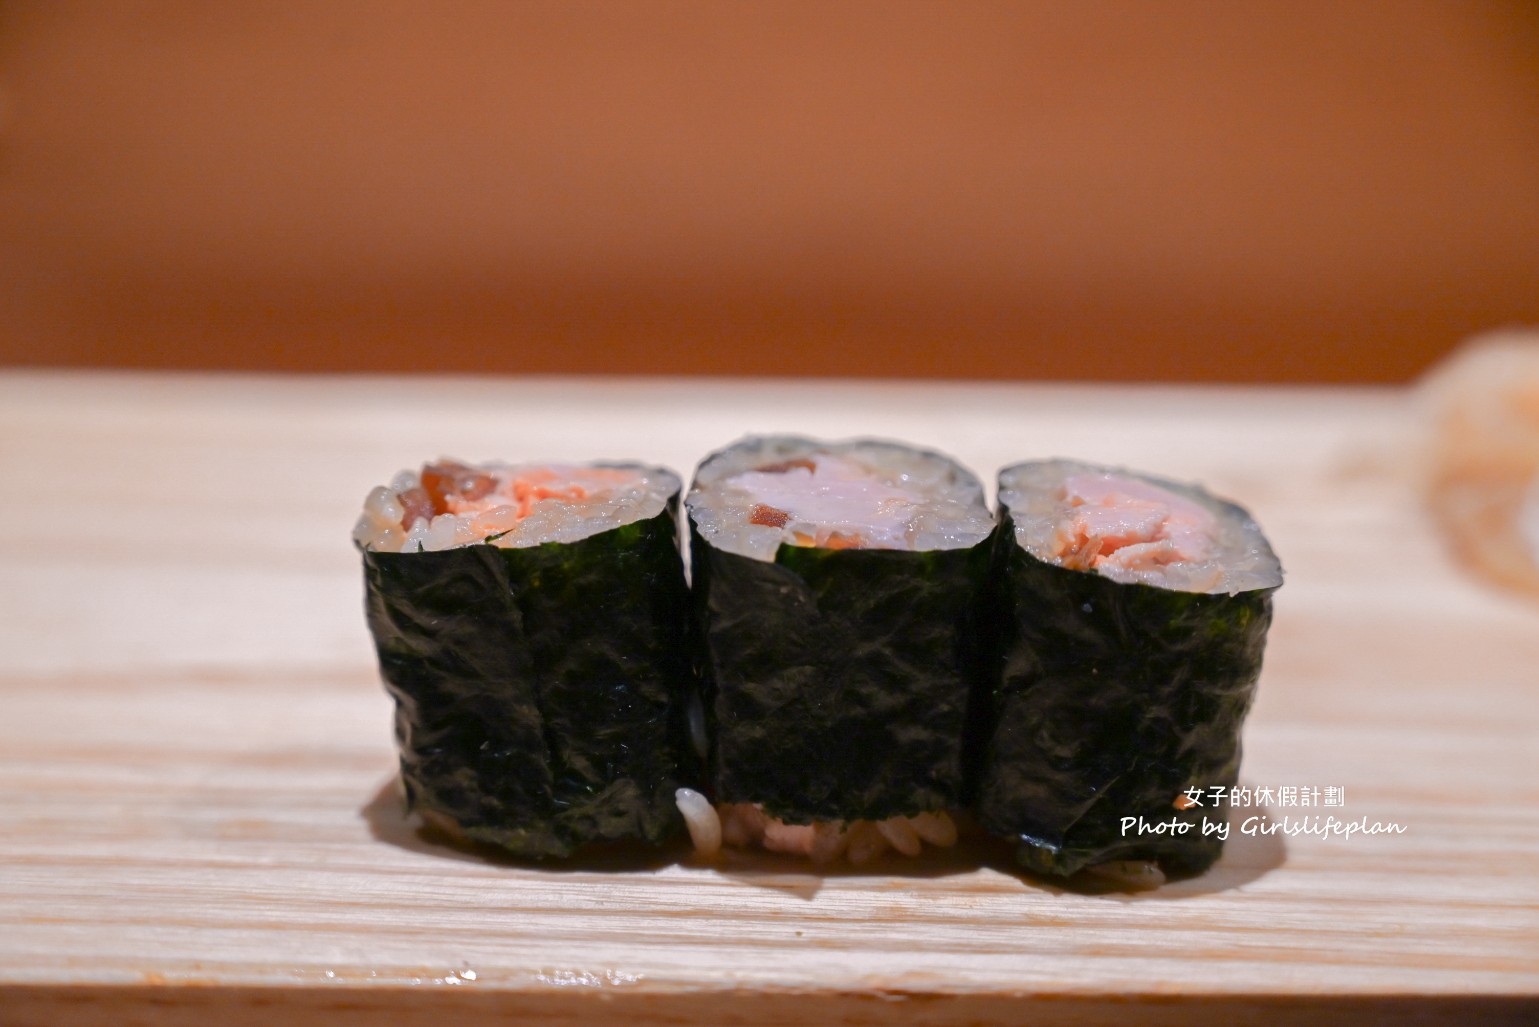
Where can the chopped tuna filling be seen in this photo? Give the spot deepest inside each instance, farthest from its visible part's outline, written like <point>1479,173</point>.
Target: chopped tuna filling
<point>417,506</point>
<point>743,825</point>
<point>449,504</point>
<point>834,498</point>
<point>768,516</point>
<point>1122,523</point>
<point>783,466</point>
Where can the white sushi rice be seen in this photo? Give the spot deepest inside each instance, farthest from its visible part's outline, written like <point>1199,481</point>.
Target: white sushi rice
<point>1136,529</point>
<point>702,820</point>
<point>528,505</point>
<point>767,491</point>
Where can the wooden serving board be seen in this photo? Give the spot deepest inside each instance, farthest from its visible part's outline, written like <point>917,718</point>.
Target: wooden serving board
<point>199,818</point>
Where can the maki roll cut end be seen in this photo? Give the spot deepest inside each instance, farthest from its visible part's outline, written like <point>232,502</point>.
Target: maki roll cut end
<point>765,492</point>
<point>448,504</point>
<point>531,622</point>
<point>1135,528</point>
<point>836,588</point>
<point>1130,617</point>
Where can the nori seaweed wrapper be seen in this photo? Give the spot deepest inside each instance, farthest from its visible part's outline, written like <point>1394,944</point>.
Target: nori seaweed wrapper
<point>540,691</point>
<point>1111,699</point>
<point>838,681</point>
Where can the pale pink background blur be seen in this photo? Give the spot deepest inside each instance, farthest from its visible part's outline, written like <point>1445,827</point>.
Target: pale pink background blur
<point>1216,191</point>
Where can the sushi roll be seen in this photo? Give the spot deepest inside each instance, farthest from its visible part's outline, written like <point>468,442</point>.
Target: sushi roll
<point>836,589</point>
<point>531,623</point>
<point>1130,618</point>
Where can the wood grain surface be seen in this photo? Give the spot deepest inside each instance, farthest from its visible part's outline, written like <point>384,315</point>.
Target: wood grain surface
<point>201,822</point>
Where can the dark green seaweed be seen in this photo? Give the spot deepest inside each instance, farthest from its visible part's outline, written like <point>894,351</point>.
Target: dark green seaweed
<point>540,692</point>
<point>1110,701</point>
<point>838,681</point>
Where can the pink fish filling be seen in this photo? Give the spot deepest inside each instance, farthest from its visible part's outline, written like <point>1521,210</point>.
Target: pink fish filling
<point>1118,523</point>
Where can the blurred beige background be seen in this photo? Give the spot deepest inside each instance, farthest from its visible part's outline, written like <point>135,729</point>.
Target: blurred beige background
<point>1216,191</point>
